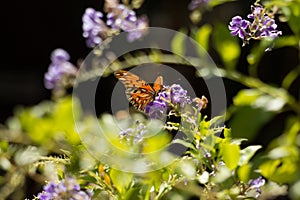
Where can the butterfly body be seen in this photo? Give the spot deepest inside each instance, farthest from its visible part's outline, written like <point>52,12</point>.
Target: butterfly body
<point>138,92</point>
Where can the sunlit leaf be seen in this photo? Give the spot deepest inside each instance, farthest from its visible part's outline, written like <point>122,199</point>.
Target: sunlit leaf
<point>295,192</point>
<point>28,155</point>
<point>226,45</point>
<point>156,143</point>
<point>202,36</point>
<point>246,97</point>
<point>222,175</point>
<point>281,171</point>
<point>121,180</point>
<point>283,151</point>
<point>188,168</point>
<point>247,153</point>
<point>238,141</point>
<point>257,99</point>
<point>243,172</point>
<point>230,155</point>
<point>178,44</point>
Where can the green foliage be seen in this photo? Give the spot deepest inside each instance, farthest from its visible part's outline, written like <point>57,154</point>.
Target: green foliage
<point>205,154</point>
<point>178,44</point>
<point>251,110</point>
<point>230,155</point>
<point>226,45</point>
<point>282,162</point>
<point>49,123</point>
<point>202,36</point>
<point>54,139</point>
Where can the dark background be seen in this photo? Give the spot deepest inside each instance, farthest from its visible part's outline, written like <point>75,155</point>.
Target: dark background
<point>31,30</point>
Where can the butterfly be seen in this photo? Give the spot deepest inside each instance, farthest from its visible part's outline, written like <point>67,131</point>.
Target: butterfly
<point>139,92</point>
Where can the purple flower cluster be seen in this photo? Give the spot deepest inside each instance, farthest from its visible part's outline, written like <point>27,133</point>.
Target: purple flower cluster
<point>94,29</point>
<point>66,189</point>
<point>59,68</point>
<point>262,25</point>
<point>134,135</point>
<point>171,96</point>
<point>119,17</point>
<point>256,184</point>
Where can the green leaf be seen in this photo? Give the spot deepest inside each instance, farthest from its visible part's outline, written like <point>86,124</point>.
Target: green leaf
<point>121,180</point>
<point>252,104</point>
<point>156,143</point>
<point>246,97</point>
<point>187,168</point>
<point>218,2</point>
<point>184,143</point>
<point>247,121</point>
<point>28,155</point>
<point>226,45</point>
<point>294,191</point>
<point>238,141</point>
<point>281,171</point>
<point>283,151</point>
<point>202,36</point>
<point>294,18</point>
<point>247,153</point>
<point>178,44</point>
<point>243,172</point>
<point>257,99</point>
<point>227,133</point>
<point>230,155</point>
<point>283,41</point>
<point>222,175</point>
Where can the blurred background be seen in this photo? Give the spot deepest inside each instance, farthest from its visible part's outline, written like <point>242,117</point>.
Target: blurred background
<point>31,30</point>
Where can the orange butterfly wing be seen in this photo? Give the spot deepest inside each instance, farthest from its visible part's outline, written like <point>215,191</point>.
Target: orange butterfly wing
<point>138,92</point>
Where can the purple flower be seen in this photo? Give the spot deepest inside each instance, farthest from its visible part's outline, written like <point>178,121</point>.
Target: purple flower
<point>59,56</point>
<point>94,29</point>
<point>197,3</point>
<point>59,68</point>
<point>119,18</point>
<point>134,135</point>
<point>238,26</point>
<point>256,184</point>
<point>122,18</point>
<point>139,29</point>
<point>262,25</point>
<point>179,96</point>
<point>166,100</point>
<point>50,188</point>
<point>157,109</point>
<point>66,189</point>
<point>257,11</point>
